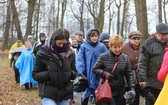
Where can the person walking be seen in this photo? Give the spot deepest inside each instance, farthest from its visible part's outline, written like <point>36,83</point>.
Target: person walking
<point>55,68</point>
<point>132,50</point>
<point>86,58</point>
<point>149,63</point>
<point>30,39</point>
<point>104,38</point>
<point>37,45</point>
<point>79,39</point>
<point>13,57</point>
<point>25,64</point>
<point>106,63</point>
<point>14,46</point>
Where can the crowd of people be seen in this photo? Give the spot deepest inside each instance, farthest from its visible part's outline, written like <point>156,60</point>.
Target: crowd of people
<point>133,69</point>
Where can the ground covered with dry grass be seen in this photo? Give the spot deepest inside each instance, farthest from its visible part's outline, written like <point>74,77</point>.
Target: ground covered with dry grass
<point>10,92</point>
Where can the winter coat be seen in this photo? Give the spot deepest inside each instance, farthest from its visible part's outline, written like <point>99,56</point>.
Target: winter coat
<point>132,53</point>
<point>36,47</point>
<point>106,62</point>
<point>164,68</point>
<point>150,60</point>
<point>54,75</point>
<point>85,60</point>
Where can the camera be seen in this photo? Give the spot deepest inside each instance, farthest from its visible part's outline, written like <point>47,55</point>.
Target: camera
<point>146,92</point>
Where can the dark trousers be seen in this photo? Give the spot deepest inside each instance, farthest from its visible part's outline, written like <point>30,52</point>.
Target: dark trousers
<point>155,92</point>
<point>28,86</point>
<point>137,97</point>
<point>119,100</point>
<point>17,75</point>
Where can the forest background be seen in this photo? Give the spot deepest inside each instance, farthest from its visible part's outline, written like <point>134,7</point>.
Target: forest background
<point>20,18</point>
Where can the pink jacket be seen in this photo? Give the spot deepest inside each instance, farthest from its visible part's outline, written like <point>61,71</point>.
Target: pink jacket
<point>164,68</point>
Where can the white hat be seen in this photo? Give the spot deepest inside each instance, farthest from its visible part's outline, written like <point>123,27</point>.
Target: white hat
<point>29,36</point>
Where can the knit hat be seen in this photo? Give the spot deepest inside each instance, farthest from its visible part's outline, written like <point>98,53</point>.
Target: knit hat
<point>42,35</point>
<point>134,34</point>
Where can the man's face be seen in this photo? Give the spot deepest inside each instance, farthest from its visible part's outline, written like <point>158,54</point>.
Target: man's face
<point>42,38</point>
<point>79,38</point>
<point>162,37</point>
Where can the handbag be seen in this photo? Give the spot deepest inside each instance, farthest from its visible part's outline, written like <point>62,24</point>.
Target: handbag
<point>103,93</point>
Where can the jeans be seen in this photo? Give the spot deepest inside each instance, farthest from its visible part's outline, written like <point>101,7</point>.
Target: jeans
<point>48,101</point>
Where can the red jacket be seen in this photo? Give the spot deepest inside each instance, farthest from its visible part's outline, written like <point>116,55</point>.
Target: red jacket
<point>164,67</point>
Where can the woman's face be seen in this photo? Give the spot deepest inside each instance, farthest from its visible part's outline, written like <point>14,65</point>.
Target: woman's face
<point>135,41</point>
<point>116,49</point>
<point>61,42</point>
<point>94,36</point>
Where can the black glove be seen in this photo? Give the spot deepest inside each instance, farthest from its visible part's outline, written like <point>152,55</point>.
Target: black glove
<point>109,75</point>
<point>73,74</point>
<point>130,96</point>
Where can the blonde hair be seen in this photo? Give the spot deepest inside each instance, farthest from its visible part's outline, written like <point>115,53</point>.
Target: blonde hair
<point>115,40</point>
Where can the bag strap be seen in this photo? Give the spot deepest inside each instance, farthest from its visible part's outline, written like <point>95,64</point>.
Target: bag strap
<point>115,65</point>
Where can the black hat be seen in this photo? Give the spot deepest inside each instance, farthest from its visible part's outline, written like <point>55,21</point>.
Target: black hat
<point>42,34</point>
<point>162,28</point>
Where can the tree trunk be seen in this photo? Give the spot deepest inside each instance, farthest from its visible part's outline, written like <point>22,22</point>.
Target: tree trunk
<point>31,5</point>
<point>100,22</point>
<point>160,10</point>
<point>57,18</point>
<point>118,16</point>
<point>123,17</point>
<point>63,12</point>
<point>164,11</point>
<point>37,19</point>
<point>16,21</point>
<point>7,27</point>
<point>141,18</point>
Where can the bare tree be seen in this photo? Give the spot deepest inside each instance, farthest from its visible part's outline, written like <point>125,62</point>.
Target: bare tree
<point>125,9</point>
<point>63,5</point>
<point>6,33</point>
<point>160,10</point>
<point>164,10</point>
<point>37,19</point>
<point>98,16</point>
<point>79,16</point>
<point>118,5</point>
<point>31,5</point>
<point>16,20</point>
<point>141,18</point>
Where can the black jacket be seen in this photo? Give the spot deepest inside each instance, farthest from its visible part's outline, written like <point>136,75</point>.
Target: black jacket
<point>150,60</point>
<point>106,62</point>
<point>54,75</point>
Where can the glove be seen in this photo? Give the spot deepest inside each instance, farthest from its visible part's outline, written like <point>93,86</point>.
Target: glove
<point>130,96</point>
<point>109,75</point>
<point>73,74</point>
